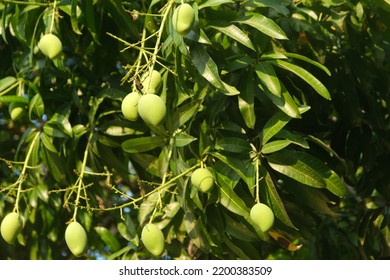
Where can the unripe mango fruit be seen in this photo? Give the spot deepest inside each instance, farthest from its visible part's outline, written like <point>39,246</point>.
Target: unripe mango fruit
<point>262,216</point>
<point>153,239</point>
<point>183,18</point>
<point>152,109</point>
<point>130,106</point>
<point>151,82</point>
<point>10,227</point>
<point>76,238</point>
<point>50,45</point>
<point>16,110</point>
<point>202,179</point>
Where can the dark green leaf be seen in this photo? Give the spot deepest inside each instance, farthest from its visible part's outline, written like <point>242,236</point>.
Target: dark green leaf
<point>233,144</point>
<point>36,106</point>
<point>74,17</point>
<point>246,101</point>
<point>212,3</point>
<point>299,166</point>
<point>182,139</point>
<point>143,144</point>
<point>306,76</point>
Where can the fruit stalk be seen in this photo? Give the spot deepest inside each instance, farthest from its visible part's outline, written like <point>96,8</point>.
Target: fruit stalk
<point>80,178</point>
<point>53,16</point>
<point>23,173</point>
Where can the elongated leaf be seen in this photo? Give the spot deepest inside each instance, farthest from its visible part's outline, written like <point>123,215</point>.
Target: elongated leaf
<point>6,82</point>
<point>90,20</point>
<point>234,32</point>
<point>274,146</point>
<point>143,144</point>
<point>293,138</point>
<point>285,102</point>
<point>206,65</point>
<point>233,144</point>
<point>273,126</point>
<point>268,78</point>
<point>299,166</point>
<point>229,199</point>
<point>108,238</point>
<point>263,24</point>
<point>234,163</point>
<point>36,106</point>
<point>121,17</point>
<point>74,17</point>
<point>306,76</point>
<point>212,3</point>
<point>246,101</point>
<point>268,189</point>
<point>183,139</point>
<point>306,59</point>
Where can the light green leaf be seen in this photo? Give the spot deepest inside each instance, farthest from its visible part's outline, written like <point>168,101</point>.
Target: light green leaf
<point>274,146</point>
<point>234,163</point>
<point>183,139</point>
<point>74,17</point>
<point>206,65</point>
<point>7,82</point>
<point>299,166</point>
<point>143,144</point>
<point>268,189</point>
<point>233,32</point>
<point>306,76</point>
<point>306,59</point>
<point>263,24</point>
<point>293,138</point>
<point>268,78</point>
<point>108,238</point>
<point>36,106</point>
<point>212,3</point>
<point>273,126</point>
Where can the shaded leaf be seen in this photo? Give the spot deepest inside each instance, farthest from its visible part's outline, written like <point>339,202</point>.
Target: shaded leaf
<point>212,3</point>
<point>306,76</point>
<point>268,78</point>
<point>233,144</point>
<point>273,126</point>
<point>246,101</point>
<point>274,146</point>
<point>298,166</point>
<point>108,238</point>
<point>143,144</point>
<point>263,24</point>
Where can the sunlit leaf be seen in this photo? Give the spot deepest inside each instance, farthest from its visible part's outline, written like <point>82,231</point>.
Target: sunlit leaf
<point>143,144</point>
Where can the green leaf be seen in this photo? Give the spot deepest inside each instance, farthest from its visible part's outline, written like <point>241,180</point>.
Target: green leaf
<point>56,165</point>
<point>246,101</point>
<point>213,3</point>
<point>233,32</point>
<point>183,139</point>
<point>233,144</point>
<point>268,78</point>
<point>263,24</point>
<point>7,82</point>
<point>206,66</point>
<point>13,98</point>
<point>274,146</point>
<point>299,166</point>
<point>305,75</point>
<point>229,199</point>
<point>128,231</point>
<point>36,106</point>
<point>273,126</point>
<point>47,141</point>
<point>122,18</point>
<point>108,238</point>
<point>74,17</point>
<point>90,20</point>
<point>268,190</point>
<point>293,138</point>
<point>143,144</point>
<point>306,59</point>
<point>234,163</point>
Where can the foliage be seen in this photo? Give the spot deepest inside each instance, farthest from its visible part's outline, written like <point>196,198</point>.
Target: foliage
<point>285,102</point>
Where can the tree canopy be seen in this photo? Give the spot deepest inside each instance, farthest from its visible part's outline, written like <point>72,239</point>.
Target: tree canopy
<point>170,120</point>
